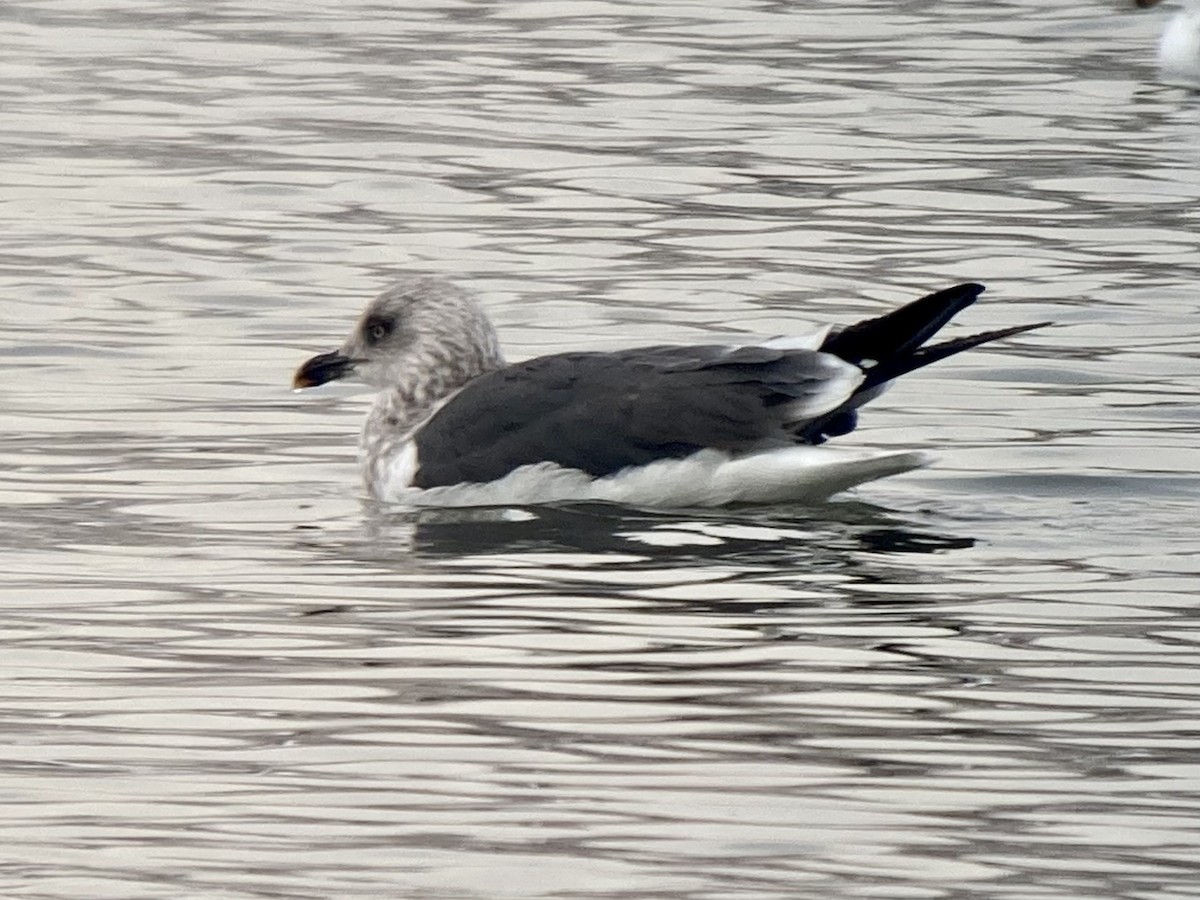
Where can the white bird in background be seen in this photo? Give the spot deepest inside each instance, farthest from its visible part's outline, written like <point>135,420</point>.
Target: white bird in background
<point>1179,47</point>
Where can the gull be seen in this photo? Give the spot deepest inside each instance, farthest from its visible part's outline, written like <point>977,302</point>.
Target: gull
<point>658,426</point>
<point>1179,46</point>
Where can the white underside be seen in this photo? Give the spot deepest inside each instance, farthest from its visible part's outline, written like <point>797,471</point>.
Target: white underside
<point>708,478</point>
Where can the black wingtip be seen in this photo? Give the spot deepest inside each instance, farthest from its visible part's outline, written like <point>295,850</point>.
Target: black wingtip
<point>901,331</point>
<point>894,368</point>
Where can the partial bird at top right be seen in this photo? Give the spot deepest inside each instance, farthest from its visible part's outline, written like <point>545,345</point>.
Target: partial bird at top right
<point>1179,47</point>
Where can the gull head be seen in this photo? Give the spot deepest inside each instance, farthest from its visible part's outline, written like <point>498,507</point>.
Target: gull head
<point>421,336</point>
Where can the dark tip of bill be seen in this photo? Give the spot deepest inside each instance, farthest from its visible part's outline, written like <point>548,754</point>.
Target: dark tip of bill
<point>322,368</point>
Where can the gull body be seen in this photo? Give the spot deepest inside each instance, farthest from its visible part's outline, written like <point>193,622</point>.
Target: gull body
<point>668,426</point>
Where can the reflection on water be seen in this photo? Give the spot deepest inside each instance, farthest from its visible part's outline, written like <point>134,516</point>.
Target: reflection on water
<point>750,537</point>
<point>226,675</point>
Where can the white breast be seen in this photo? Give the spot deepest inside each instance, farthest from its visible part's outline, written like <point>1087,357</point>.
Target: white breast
<point>389,477</point>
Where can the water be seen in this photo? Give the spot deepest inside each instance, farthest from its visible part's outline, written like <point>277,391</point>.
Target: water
<point>226,676</point>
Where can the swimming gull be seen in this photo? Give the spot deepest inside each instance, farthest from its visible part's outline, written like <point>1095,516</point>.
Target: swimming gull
<point>1179,46</point>
<point>669,426</point>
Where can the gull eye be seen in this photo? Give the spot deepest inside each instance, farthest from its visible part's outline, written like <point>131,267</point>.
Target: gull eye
<point>376,329</point>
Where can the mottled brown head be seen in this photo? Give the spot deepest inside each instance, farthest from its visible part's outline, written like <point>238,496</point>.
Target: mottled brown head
<point>420,330</point>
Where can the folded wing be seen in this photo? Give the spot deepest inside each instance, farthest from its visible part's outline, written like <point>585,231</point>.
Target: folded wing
<point>603,412</point>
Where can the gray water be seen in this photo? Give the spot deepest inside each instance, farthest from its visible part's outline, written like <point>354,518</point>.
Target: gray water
<point>225,675</point>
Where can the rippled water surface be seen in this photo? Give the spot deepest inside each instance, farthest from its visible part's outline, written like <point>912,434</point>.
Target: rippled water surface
<point>225,675</point>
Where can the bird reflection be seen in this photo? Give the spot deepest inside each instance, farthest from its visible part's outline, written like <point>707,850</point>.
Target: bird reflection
<point>814,537</point>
